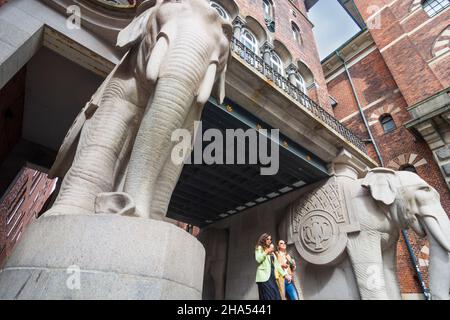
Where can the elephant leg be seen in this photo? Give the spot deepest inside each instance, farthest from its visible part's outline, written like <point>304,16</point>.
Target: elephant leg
<point>95,166</point>
<point>390,272</point>
<point>153,146</point>
<point>364,250</point>
<point>170,174</point>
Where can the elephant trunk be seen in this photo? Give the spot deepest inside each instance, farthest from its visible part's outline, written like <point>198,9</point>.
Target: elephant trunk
<point>177,85</point>
<point>438,231</point>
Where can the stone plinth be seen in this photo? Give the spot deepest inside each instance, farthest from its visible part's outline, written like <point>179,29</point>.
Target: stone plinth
<point>104,257</point>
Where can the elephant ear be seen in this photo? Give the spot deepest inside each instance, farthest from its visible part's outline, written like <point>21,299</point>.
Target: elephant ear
<point>136,30</point>
<point>382,184</point>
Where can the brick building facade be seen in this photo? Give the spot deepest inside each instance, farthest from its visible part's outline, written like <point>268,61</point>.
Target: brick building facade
<point>298,53</point>
<point>395,66</point>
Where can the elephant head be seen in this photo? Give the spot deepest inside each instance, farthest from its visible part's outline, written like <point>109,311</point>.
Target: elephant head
<point>184,48</point>
<point>411,202</point>
<point>179,36</point>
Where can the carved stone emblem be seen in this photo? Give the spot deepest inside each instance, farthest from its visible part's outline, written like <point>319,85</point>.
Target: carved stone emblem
<point>320,223</point>
<point>317,232</point>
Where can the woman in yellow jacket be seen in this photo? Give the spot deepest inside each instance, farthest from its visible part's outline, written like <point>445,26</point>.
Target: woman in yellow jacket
<point>265,272</point>
<point>288,289</point>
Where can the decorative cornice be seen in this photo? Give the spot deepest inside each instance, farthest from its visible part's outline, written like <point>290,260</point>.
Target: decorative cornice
<point>291,69</point>
<point>267,47</point>
<point>239,22</point>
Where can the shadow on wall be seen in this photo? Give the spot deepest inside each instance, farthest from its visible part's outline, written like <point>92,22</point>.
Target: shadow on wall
<point>215,242</point>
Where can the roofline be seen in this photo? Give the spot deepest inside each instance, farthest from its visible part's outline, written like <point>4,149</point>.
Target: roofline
<point>356,16</point>
<point>310,3</point>
<point>346,43</point>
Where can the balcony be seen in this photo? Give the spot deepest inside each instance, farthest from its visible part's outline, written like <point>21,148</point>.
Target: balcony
<point>283,83</point>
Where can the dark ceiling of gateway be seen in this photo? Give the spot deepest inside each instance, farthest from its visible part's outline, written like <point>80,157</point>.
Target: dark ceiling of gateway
<point>208,193</point>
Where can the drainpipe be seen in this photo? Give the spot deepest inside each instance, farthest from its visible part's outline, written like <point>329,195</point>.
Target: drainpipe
<point>415,265</point>
<point>361,111</point>
<point>380,158</point>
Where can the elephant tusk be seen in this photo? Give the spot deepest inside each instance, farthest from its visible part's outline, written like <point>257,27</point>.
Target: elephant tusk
<point>156,58</point>
<point>207,84</point>
<point>221,94</point>
<point>434,228</point>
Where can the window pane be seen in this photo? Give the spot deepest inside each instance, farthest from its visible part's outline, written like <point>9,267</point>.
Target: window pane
<point>249,40</point>
<point>220,10</point>
<point>267,6</point>
<point>277,65</point>
<point>296,32</point>
<point>388,124</point>
<point>409,168</point>
<point>433,7</point>
<point>300,83</point>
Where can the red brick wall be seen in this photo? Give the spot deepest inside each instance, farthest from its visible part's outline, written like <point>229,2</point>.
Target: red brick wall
<point>408,278</point>
<point>21,204</point>
<point>373,82</point>
<point>306,53</point>
<point>405,40</point>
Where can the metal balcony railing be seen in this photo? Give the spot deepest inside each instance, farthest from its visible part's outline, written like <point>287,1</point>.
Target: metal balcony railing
<point>284,84</point>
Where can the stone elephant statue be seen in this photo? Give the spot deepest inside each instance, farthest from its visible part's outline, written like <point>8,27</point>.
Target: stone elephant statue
<point>383,202</point>
<point>116,158</point>
<point>215,242</point>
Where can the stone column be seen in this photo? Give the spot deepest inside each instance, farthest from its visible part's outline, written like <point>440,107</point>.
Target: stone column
<point>348,169</point>
<point>104,257</point>
<point>347,166</point>
<point>266,50</point>
<point>238,24</point>
<point>291,71</point>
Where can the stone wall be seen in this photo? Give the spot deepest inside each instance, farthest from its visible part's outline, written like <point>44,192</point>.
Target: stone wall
<point>244,230</point>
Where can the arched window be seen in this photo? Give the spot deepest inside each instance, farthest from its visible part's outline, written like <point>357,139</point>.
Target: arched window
<point>299,82</point>
<point>269,15</point>
<point>268,9</point>
<point>433,7</point>
<point>276,63</point>
<point>249,40</point>
<point>222,12</point>
<point>387,123</point>
<point>408,167</point>
<point>297,33</point>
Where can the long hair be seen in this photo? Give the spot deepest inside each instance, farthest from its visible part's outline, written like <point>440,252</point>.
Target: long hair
<point>262,240</point>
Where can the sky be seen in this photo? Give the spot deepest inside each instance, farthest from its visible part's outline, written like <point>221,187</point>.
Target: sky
<point>333,26</point>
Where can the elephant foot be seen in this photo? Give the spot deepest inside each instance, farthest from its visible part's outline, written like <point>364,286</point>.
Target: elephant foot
<point>118,203</point>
